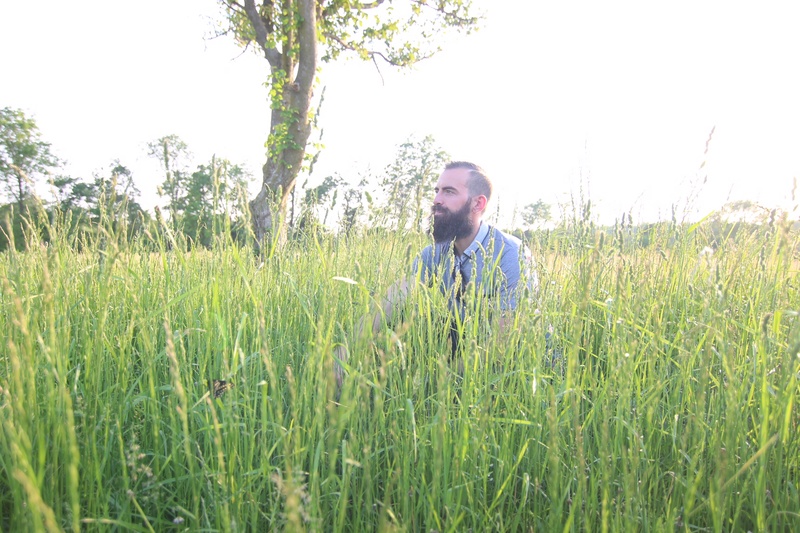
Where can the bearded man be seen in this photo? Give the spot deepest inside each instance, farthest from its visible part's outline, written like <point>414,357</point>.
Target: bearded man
<point>469,259</point>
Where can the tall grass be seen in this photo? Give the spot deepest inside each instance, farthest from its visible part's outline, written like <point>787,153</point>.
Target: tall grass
<point>666,397</point>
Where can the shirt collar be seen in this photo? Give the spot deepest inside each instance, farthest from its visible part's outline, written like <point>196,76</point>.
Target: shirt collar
<point>483,230</point>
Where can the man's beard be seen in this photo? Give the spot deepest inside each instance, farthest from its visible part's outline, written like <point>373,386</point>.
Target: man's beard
<point>448,225</point>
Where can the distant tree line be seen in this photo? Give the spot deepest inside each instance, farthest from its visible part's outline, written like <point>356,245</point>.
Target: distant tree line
<point>203,202</point>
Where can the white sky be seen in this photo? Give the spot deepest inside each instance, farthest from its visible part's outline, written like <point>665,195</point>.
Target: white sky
<point>619,97</point>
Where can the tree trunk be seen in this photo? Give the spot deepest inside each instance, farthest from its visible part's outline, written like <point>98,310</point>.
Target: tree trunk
<point>21,192</point>
<point>280,174</point>
<point>290,124</point>
<point>269,205</point>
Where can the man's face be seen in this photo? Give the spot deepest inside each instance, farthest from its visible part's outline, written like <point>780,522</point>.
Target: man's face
<point>452,206</point>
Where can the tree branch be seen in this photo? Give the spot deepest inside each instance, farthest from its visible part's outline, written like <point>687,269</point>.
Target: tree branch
<point>258,24</point>
<point>272,55</point>
<point>378,68</point>
<point>307,60</point>
<point>331,9</point>
<point>371,53</point>
<point>450,16</point>
<point>371,5</point>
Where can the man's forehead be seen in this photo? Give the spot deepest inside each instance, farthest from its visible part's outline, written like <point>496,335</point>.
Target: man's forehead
<point>454,177</point>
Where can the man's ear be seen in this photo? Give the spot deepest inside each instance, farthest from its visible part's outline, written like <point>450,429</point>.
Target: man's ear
<point>480,203</point>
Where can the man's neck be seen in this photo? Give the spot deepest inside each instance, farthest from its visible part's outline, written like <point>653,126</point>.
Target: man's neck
<point>464,242</point>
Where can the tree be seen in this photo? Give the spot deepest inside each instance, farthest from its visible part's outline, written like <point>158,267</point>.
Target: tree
<point>410,179</point>
<point>78,197</point>
<point>172,153</point>
<point>202,203</point>
<point>115,200</point>
<point>291,32</point>
<point>536,213</point>
<point>110,200</point>
<point>73,199</point>
<point>745,211</point>
<point>353,206</point>
<point>743,217</point>
<point>230,181</point>
<point>23,154</point>
<point>314,198</point>
<point>210,199</point>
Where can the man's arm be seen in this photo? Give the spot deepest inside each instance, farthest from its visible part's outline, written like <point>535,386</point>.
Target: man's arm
<point>394,298</point>
<point>521,281</point>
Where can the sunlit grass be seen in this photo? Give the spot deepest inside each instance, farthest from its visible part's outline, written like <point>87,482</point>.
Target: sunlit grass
<point>667,400</point>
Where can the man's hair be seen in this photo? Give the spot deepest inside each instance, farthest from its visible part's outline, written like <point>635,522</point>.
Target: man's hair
<point>478,183</point>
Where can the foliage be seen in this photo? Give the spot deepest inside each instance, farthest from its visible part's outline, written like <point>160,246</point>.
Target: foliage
<point>203,203</point>
<point>325,195</point>
<point>409,180</point>
<point>80,209</point>
<point>536,214</point>
<point>353,208</point>
<point>17,227</point>
<point>172,154</point>
<point>320,202</point>
<point>405,189</point>
<point>23,155</point>
<point>398,35</point>
<point>211,203</point>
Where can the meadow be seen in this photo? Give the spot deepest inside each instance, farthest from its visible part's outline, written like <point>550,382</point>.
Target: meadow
<point>666,398</point>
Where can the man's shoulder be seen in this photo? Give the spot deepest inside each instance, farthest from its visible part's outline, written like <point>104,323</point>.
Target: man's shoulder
<point>428,252</point>
<point>428,257</point>
<point>509,242</point>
